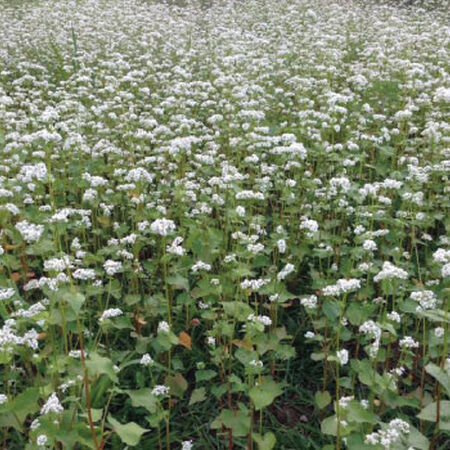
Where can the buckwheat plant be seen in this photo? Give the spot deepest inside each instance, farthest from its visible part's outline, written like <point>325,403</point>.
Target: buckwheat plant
<point>224,224</point>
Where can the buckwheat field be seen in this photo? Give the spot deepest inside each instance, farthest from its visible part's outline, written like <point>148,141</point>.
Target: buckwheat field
<point>224,225</point>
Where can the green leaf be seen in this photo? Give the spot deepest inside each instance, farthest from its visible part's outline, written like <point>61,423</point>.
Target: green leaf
<point>355,441</point>
<point>437,315</point>
<point>317,356</point>
<point>178,282</point>
<point>356,413</point>
<point>331,309</point>
<point>177,384</point>
<point>130,433</point>
<point>440,375</point>
<point>417,440</point>
<point>75,300</point>
<point>265,393</point>
<point>238,310</point>
<point>429,413</point>
<point>329,425</point>
<point>238,421</point>
<point>355,314</point>
<point>365,372</point>
<point>16,410</point>
<point>98,391</point>
<point>266,442</point>
<point>197,396</point>
<point>322,399</point>
<point>25,403</point>
<point>143,398</point>
<point>98,364</point>
<point>205,375</point>
<point>132,299</point>
<point>96,413</point>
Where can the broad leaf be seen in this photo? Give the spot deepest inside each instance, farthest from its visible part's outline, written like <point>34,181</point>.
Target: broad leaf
<point>98,364</point>
<point>266,442</point>
<point>265,393</point>
<point>197,396</point>
<point>130,433</point>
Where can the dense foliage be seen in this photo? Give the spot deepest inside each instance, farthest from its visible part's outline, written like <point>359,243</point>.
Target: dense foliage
<point>224,226</point>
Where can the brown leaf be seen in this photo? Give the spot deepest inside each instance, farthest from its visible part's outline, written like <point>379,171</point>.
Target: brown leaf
<point>177,384</point>
<point>185,340</point>
<point>286,304</point>
<point>104,220</point>
<point>140,320</point>
<point>242,343</point>
<point>15,276</point>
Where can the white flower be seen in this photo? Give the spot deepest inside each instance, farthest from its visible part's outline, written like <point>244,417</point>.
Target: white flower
<point>175,247</point>
<point>41,440</point>
<point>391,434</point>
<point>359,229</point>
<point>110,313</point>
<point>146,360</point>
<point>163,327</point>
<point>394,316</point>
<point>342,356</point>
<point>112,267</point>
<point>274,298</point>
<point>426,299</point>
<point>287,269</point>
<point>160,390</point>
<point>442,94</point>
<point>3,398</point>
<point>84,274</point>
<point>265,320</point>
<point>309,302</point>
<point>52,405</point>
<point>254,285</point>
<point>342,286</point>
<point>35,425</point>
<point>163,227</point>
<point>344,401</point>
<point>58,264</point>
<point>441,256</point>
<point>200,265</point>
<point>229,258</point>
<point>371,328</point>
<point>77,354</point>
<point>29,231</point>
<point>255,248</point>
<point>281,244</point>
<point>6,293</point>
<point>389,272</point>
<point>369,245</point>
<point>408,342</point>
<point>187,445</point>
<point>89,195</point>
<point>439,332</point>
<point>256,363</point>
<point>445,272</point>
<point>308,224</point>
